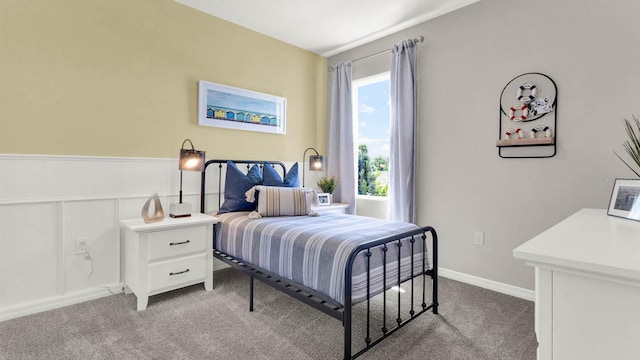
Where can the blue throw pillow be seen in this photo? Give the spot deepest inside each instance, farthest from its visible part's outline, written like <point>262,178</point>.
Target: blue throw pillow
<point>236,184</point>
<point>270,177</point>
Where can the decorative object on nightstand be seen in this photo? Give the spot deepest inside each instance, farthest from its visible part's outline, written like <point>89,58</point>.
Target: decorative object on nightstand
<point>158,213</point>
<point>316,162</point>
<point>632,146</point>
<point>167,255</point>
<point>324,199</point>
<point>327,184</point>
<point>193,160</point>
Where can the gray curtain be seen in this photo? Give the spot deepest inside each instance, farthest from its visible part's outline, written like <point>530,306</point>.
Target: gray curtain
<point>402,163</point>
<point>341,159</point>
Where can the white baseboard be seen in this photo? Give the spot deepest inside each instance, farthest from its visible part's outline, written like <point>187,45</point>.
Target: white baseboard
<point>55,302</point>
<point>502,288</point>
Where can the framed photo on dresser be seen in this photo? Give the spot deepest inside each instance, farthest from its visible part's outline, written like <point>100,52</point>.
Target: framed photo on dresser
<point>625,199</point>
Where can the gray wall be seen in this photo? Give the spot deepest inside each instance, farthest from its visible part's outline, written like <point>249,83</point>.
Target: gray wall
<point>590,48</point>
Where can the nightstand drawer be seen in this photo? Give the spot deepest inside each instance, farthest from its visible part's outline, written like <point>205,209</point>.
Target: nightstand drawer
<point>174,273</point>
<point>177,242</point>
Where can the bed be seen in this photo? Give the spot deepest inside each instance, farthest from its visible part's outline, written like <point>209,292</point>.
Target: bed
<point>330,262</point>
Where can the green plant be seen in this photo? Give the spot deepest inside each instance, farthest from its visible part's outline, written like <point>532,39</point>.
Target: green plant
<point>632,146</point>
<point>328,184</point>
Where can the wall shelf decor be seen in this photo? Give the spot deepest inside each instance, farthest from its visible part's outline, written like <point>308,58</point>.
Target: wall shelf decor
<point>528,117</point>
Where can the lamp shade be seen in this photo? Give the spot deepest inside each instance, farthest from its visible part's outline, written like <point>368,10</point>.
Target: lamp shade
<point>191,159</point>
<point>316,162</point>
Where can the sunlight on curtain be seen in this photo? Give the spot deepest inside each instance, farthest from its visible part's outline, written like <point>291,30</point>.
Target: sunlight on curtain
<point>402,163</point>
<point>341,159</point>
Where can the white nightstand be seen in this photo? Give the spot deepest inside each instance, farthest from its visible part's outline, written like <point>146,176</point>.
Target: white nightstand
<point>339,208</point>
<point>167,255</point>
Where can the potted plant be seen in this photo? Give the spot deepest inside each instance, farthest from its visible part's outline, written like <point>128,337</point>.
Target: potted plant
<point>632,146</point>
<point>328,184</point>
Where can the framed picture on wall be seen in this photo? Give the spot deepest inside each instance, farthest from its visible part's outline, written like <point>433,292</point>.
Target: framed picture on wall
<point>625,199</point>
<point>233,108</point>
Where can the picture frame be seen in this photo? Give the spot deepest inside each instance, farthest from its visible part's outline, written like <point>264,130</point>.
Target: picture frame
<point>324,199</point>
<point>625,199</point>
<point>234,108</point>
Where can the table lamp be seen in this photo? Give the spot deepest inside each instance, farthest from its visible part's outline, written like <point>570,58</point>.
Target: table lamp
<point>191,160</point>
<point>316,162</point>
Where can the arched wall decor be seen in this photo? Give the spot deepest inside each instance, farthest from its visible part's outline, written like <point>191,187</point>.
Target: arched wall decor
<point>529,102</point>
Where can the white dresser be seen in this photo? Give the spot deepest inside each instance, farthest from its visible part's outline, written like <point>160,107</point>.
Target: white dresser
<point>167,255</point>
<point>587,271</point>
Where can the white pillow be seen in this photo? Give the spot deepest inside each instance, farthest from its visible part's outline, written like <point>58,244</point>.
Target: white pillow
<point>282,201</point>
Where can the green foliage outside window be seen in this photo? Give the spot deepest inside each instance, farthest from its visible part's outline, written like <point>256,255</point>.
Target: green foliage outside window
<point>369,173</point>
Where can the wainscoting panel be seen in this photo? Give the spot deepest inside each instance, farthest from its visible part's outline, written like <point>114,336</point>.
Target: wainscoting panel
<point>30,242</point>
<point>40,177</point>
<point>49,203</point>
<point>95,223</point>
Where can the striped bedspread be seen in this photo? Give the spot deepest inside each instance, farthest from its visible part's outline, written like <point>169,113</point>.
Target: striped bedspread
<point>313,251</point>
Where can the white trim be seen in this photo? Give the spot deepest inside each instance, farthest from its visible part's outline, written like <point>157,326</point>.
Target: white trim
<point>372,197</point>
<point>502,288</point>
<point>53,178</point>
<point>447,7</point>
<point>90,158</point>
<point>55,302</point>
<point>60,247</point>
<point>97,198</point>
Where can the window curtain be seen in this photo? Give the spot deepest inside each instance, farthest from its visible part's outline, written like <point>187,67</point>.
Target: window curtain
<point>402,162</point>
<point>341,159</point>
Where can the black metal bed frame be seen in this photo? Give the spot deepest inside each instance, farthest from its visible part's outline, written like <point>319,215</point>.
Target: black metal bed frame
<point>343,312</point>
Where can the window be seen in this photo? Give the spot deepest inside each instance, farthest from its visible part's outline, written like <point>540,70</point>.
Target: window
<point>371,117</point>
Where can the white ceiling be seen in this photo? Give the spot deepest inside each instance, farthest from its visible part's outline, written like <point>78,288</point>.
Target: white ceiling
<point>326,27</point>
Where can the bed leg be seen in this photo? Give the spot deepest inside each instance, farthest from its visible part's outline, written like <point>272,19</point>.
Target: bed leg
<point>250,293</point>
<point>347,333</point>
<point>434,273</point>
<point>435,295</point>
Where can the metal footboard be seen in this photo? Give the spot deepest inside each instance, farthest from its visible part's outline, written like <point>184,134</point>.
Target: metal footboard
<point>412,313</point>
<point>344,312</point>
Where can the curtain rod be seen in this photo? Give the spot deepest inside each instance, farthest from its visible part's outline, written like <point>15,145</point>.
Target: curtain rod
<point>418,40</point>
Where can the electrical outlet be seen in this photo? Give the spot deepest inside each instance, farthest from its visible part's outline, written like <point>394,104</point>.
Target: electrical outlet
<point>81,245</point>
<point>478,238</point>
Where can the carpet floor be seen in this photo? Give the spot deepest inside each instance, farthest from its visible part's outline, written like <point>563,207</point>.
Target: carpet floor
<point>190,323</point>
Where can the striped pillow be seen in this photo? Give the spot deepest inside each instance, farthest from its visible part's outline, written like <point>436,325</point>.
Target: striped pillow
<point>283,201</point>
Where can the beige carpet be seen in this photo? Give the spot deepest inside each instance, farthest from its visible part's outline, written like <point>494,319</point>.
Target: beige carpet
<point>191,323</point>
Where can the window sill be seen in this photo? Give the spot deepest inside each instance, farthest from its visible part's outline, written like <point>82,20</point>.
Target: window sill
<point>372,198</point>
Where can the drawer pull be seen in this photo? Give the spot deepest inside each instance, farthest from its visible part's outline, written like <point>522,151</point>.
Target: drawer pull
<point>179,243</point>
<point>179,272</point>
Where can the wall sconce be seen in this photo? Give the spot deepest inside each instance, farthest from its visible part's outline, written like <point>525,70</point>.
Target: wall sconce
<point>316,162</point>
<point>191,160</point>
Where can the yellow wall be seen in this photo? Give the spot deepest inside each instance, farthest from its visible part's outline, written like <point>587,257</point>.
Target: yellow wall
<point>120,78</point>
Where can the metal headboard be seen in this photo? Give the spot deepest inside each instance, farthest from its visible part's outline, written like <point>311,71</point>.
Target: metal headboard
<point>222,163</point>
